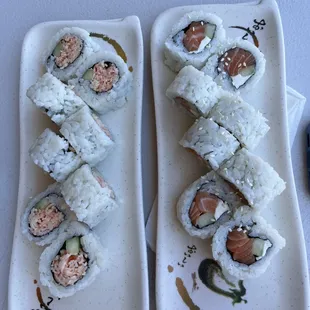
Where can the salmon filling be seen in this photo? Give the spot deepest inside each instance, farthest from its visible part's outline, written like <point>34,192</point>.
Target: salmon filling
<point>68,49</point>
<point>239,64</point>
<point>187,105</point>
<point>206,209</point>
<point>245,249</point>
<point>102,182</point>
<point>102,127</point>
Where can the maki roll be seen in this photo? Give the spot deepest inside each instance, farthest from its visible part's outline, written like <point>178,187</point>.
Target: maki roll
<point>103,82</point>
<point>194,91</point>
<point>54,98</point>
<point>193,39</point>
<point>88,195</point>
<point>72,261</point>
<point>246,124</point>
<point>88,136</point>
<point>44,216</point>
<point>245,245</point>
<point>54,155</point>
<point>67,51</point>
<point>258,182</point>
<point>237,66</point>
<point>206,205</point>
<point>212,143</point>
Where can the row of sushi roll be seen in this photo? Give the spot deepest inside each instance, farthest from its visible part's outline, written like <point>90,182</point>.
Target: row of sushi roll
<point>81,81</point>
<point>224,204</point>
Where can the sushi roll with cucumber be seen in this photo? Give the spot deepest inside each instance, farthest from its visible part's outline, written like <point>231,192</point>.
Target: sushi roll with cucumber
<point>54,155</point>
<point>212,143</point>
<point>194,91</point>
<point>237,66</point>
<point>207,204</point>
<point>73,261</point>
<point>257,181</point>
<point>90,138</point>
<point>103,82</point>
<point>89,196</point>
<point>67,51</point>
<point>54,98</point>
<point>245,245</point>
<point>246,124</point>
<point>193,39</point>
<point>44,216</point>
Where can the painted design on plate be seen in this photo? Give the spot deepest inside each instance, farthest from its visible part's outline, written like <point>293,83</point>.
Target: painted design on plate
<point>188,254</point>
<point>185,295</point>
<point>43,305</point>
<point>258,25</point>
<point>195,284</point>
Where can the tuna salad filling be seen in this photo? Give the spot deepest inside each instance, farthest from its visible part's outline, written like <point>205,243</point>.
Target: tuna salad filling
<point>44,217</point>
<point>239,64</point>
<point>206,209</point>
<point>192,109</point>
<point>196,36</point>
<point>70,264</point>
<point>244,248</point>
<point>102,76</point>
<point>68,49</point>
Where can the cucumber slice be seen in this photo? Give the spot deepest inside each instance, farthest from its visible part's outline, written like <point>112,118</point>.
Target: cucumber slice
<point>205,220</point>
<point>57,50</point>
<point>247,71</point>
<point>210,30</point>
<point>88,75</point>
<point>260,247</point>
<point>42,204</point>
<point>73,245</point>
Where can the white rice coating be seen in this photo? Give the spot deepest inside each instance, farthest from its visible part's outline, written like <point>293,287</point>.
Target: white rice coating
<point>213,143</point>
<point>87,199</point>
<point>51,152</point>
<point>89,48</point>
<point>54,98</point>
<point>222,78</point>
<point>240,119</point>
<point>91,245</point>
<point>177,57</point>
<point>261,229</point>
<point>111,100</point>
<point>256,179</point>
<point>215,185</point>
<point>196,88</point>
<point>89,140</point>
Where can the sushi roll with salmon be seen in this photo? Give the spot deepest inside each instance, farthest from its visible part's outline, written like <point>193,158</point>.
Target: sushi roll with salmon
<point>257,181</point>
<point>90,138</point>
<point>103,82</point>
<point>89,196</point>
<point>246,124</point>
<point>193,39</point>
<point>54,98</point>
<point>237,66</point>
<point>73,261</point>
<point>207,204</point>
<point>44,216</point>
<point>196,92</point>
<point>212,143</point>
<point>67,51</point>
<point>54,155</point>
<point>245,246</point>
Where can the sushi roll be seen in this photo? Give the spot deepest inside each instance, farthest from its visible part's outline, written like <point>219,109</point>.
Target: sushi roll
<point>73,261</point>
<point>54,155</point>
<point>88,136</point>
<point>54,98</point>
<point>258,182</point>
<point>246,124</point>
<point>207,204</point>
<point>195,37</point>
<point>194,91</point>
<point>67,51</point>
<point>44,215</point>
<point>103,82</point>
<point>212,143</point>
<point>239,65</point>
<point>88,195</point>
<point>245,246</point>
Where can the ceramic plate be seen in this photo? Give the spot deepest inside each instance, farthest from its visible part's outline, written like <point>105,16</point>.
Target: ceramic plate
<point>123,235</point>
<point>179,256</point>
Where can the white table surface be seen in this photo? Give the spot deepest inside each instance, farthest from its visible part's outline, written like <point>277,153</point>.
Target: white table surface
<point>16,17</point>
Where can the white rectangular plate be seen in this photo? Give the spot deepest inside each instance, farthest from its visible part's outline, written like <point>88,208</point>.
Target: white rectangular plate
<point>124,284</point>
<point>285,284</point>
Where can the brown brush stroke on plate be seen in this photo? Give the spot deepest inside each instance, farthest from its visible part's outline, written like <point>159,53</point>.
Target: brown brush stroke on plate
<point>251,33</point>
<point>170,268</point>
<point>184,294</point>
<point>195,284</point>
<point>41,301</point>
<point>35,281</point>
